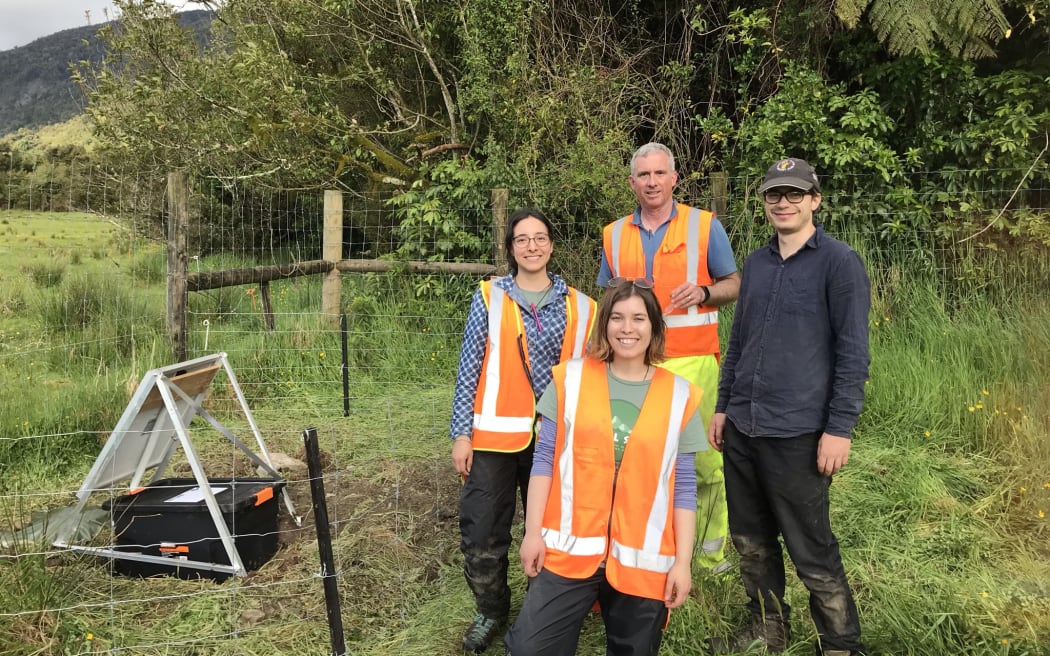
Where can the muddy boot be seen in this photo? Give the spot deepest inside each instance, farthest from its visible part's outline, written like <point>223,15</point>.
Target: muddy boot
<point>481,632</point>
<point>771,634</point>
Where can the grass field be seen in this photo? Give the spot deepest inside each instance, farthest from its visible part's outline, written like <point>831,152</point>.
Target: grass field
<point>941,511</point>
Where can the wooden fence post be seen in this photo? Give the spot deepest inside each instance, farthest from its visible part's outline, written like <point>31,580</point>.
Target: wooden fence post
<point>500,199</point>
<point>178,221</point>
<point>332,251</point>
<point>267,304</point>
<point>720,194</point>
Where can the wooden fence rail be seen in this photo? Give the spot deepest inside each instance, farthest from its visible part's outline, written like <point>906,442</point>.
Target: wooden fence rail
<point>181,282</point>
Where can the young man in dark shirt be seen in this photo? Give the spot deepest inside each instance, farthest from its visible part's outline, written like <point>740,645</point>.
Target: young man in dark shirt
<point>790,393</point>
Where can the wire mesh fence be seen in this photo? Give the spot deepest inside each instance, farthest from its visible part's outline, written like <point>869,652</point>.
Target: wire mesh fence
<point>82,318</point>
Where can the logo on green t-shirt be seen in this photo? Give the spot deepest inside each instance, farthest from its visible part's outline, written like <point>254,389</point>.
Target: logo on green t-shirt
<point>624,416</point>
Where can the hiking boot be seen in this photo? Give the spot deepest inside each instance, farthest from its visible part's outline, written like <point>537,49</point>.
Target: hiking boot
<point>481,632</point>
<point>771,634</point>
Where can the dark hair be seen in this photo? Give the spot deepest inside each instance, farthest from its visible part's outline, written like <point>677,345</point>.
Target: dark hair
<point>599,347</point>
<point>515,219</point>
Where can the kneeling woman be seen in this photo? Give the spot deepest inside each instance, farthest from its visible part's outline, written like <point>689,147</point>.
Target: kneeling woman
<point>611,510</point>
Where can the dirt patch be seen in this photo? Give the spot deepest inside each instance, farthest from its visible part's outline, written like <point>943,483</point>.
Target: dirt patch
<point>401,514</point>
<point>395,531</point>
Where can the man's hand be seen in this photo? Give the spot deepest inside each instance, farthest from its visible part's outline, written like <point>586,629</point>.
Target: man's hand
<point>714,430</point>
<point>832,453</point>
<point>685,295</point>
<point>462,455</point>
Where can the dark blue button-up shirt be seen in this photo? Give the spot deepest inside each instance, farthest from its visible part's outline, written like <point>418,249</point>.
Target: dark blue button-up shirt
<point>798,357</point>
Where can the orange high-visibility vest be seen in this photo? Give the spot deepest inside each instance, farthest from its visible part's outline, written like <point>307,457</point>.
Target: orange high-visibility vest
<point>681,257</point>
<point>504,405</point>
<point>586,521</point>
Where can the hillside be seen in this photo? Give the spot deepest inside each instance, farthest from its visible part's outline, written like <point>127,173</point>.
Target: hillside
<point>35,84</point>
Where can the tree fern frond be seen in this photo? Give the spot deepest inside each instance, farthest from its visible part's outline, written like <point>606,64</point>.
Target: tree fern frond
<point>903,26</point>
<point>850,11</point>
<point>980,18</point>
<point>967,28</point>
<point>970,29</point>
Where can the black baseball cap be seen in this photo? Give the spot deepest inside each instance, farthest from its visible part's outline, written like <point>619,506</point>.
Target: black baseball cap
<point>791,172</point>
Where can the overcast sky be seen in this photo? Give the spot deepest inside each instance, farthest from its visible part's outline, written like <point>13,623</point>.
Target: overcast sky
<point>22,21</point>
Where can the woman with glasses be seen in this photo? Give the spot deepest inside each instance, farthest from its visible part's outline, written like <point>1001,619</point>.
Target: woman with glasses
<point>518,327</point>
<point>611,513</point>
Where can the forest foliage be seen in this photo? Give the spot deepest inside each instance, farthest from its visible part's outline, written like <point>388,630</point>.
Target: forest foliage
<point>436,102</point>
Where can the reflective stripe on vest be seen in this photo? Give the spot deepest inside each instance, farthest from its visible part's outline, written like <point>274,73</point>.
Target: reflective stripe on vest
<point>488,419</point>
<point>585,309</point>
<point>640,560</point>
<point>563,539</point>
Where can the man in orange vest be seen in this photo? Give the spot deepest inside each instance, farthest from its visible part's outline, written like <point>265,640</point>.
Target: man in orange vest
<point>686,253</point>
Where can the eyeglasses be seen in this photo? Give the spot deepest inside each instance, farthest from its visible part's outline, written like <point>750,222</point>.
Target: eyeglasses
<point>640,283</point>
<point>522,241</point>
<point>794,196</point>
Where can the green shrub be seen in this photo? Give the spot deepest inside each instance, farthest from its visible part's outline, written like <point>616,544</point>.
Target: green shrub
<point>12,299</point>
<point>47,274</point>
<point>149,268</point>
<point>78,304</point>
<point>108,312</point>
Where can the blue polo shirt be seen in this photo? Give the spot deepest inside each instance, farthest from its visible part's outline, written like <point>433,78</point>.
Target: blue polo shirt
<point>798,357</point>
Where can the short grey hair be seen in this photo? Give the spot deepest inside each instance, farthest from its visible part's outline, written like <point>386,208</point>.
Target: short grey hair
<point>649,149</point>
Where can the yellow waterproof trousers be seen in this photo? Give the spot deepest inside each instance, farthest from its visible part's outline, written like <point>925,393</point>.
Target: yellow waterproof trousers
<point>712,515</point>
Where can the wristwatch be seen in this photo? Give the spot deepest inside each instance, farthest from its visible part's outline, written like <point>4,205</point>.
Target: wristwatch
<point>707,295</point>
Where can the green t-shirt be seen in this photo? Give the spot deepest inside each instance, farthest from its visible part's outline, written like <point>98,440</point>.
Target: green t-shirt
<point>625,401</point>
<point>536,298</point>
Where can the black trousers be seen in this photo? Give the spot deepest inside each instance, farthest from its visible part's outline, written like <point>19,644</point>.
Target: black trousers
<point>552,615</point>
<point>773,487</point>
<point>487,505</point>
